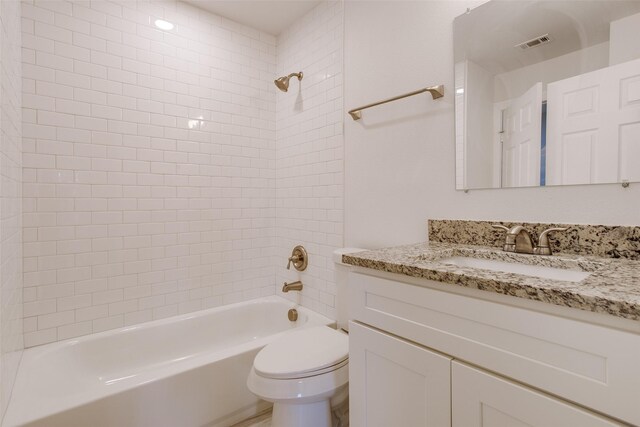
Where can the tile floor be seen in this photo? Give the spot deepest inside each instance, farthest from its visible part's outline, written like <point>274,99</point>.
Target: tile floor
<point>340,418</point>
<point>261,420</point>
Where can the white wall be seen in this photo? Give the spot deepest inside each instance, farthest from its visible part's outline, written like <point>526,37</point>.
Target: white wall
<point>623,39</point>
<point>309,153</point>
<point>515,83</point>
<point>10,204</point>
<point>399,159</point>
<point>149,164</point>
<point>479,136</point>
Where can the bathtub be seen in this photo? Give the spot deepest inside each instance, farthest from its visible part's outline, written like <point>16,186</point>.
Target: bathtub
<point>178,372</point>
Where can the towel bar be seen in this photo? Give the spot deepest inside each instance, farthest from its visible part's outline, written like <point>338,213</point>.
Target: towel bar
<point>436,92</point>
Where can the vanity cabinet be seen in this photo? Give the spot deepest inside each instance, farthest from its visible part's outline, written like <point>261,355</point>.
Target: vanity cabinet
<point>413,343</point>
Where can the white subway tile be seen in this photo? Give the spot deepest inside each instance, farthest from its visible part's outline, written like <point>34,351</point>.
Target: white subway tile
<point>162,152</point>
<point>55,291</point>
<point>46,88</point>
<point>137,317</point>
<point>73,52</point>
<point>87,287</point>
<point>89,96</point>
<point>89,42</point>
<point>105,297</point>
<point>37,13</point>
<point>70,23</point>
<point>73,107</point>
<point>91,123</point>
<point>84,13</point>
<point>36,308</point>
<point>74,330</point>
<point>40,337</point>
<point>52,32</point>
<point>55,62</point>
<point>107,323</point>
<point>73,302</point>
<point>59,6</point>
<point>53,320</point>
<point>122,307</point>
<point>111,9</point>
<point>91,313</point>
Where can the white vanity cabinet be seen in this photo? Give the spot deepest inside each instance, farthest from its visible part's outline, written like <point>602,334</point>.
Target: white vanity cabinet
<point>418,351</point>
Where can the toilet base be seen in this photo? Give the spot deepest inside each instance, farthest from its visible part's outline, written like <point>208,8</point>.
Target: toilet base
<point>315,414</point>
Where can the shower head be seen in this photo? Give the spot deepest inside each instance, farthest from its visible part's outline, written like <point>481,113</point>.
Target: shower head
<point>282,83</point>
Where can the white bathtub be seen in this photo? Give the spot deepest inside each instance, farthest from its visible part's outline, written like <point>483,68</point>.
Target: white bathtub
<point>179,372</point>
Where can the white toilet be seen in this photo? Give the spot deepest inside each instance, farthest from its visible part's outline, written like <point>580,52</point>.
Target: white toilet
<point>300,373</point>
<point>303,370</point>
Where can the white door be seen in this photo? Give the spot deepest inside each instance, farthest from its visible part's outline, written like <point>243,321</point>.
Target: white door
<point>396,383</point>
<point>480,399</point>
<point>521,146</point>
<point>593,126</point>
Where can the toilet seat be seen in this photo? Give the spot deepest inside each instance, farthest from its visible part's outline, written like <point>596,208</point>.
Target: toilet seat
<point>304,353</point>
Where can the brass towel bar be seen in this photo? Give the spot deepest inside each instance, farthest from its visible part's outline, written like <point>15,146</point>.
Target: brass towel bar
<point>436,92</point>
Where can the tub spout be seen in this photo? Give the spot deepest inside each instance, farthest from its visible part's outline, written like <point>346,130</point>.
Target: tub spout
<point>293,286</point>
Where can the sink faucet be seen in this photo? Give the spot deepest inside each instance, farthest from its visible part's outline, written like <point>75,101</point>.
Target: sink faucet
<point>293,286</point>
<point>519,240</point>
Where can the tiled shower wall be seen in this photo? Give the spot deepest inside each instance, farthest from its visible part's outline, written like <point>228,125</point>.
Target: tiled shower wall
<point>309,153</point>
<point>10,203</point>
<point>149,164</point>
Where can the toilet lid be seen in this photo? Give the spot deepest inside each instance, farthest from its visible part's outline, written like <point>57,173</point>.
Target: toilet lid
<point>301,353</point>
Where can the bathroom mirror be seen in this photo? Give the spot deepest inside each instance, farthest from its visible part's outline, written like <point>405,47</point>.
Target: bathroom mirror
<point>547,93</point>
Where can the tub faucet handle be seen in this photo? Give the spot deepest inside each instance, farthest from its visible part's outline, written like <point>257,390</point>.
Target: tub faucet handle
<point>294,259</point>
<point>298,258</point>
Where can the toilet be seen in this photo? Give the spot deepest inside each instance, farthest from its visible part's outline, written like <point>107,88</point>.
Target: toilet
<point>303,370</point>
<point>300,373</point>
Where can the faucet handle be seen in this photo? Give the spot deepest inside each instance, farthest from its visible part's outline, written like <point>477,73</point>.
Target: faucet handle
<point>543,247</point>
<point>294,259</point>
<point>507,247</point>
<point>299,258</point>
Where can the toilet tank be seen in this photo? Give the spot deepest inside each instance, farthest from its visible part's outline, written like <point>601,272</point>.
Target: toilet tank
<point>341,278</point>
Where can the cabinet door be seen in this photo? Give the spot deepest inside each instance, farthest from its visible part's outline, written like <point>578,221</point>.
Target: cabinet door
<point>393,382</point>
<point>484,400</point>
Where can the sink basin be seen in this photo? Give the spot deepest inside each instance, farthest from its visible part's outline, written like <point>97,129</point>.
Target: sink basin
<point>543,272</point>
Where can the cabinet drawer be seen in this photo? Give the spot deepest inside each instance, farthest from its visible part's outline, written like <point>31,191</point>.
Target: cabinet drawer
<point>479,399</point>
<point>591,365</point>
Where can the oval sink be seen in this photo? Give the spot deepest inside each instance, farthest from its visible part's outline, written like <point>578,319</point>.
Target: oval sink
<point>543,272</point>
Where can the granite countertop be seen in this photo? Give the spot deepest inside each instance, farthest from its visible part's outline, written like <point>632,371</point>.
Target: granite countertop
<point>613,286</point>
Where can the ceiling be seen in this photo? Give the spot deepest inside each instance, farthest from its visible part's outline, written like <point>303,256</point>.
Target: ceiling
<point>271,16</point>
<point>487,35</point>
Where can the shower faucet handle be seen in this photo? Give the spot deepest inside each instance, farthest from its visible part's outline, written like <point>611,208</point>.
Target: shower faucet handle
<point>299,258</point>
<point>294,259</point>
